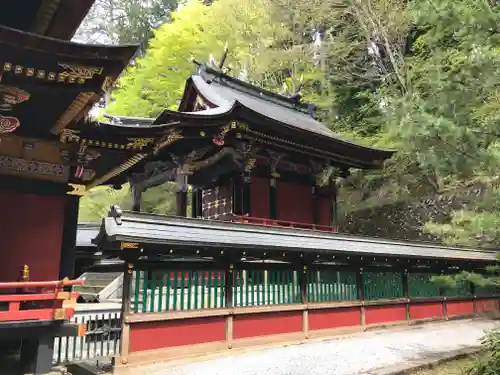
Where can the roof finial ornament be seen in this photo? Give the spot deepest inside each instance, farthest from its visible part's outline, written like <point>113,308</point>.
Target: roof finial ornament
<point>224,56</point>
<point>296,96</point>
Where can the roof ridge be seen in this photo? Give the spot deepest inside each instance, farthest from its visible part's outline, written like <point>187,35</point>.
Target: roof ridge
<point>259,92</point>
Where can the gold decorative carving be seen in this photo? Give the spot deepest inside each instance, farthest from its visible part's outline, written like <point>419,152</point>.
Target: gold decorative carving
<point>139,142</point>
<point>79,73</point>
<point>107,84</point>
<point>7,67</point>
<point>172,136</point>
<point>115,172</point>
<point>11,164</point>
<point>69,136</point>
<point>129,245</point>
<point>250,164</point>
<point>76,189</point>
<point>81,101</point>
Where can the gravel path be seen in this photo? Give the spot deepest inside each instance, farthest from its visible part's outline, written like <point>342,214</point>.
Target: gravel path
<point>343,356</point>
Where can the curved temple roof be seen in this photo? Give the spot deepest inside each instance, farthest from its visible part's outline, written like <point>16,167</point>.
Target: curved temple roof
<point>269,113</point>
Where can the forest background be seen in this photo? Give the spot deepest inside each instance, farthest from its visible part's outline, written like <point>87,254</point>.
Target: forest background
<point>419,76</point>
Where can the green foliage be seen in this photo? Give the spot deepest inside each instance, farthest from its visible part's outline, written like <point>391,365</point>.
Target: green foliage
<point>196,31</point>
<point>125,21</point>
<point>95,205</point>
<point>490,363</point>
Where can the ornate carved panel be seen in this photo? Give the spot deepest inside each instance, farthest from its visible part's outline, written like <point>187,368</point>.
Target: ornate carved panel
<point>33,168</point>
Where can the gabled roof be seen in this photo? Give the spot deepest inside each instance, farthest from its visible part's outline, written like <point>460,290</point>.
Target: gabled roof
<point>274,115</point>
<point>53,18</point>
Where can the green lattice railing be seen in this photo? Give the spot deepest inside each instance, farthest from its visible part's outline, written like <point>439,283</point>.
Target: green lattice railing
<point>482,290</point>
<point>460,290</point>
<point>177,290</point>
<point>380,285</point>
<point>330,286</point>
<point>258,288</point>
<point>420,285</point>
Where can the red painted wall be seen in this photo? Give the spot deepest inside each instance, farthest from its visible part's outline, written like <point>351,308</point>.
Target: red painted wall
<point>158,335</point>
<point>31,232</point>
<point>486,305</point>
<point>426,310</point>
<point>266,324</point>
<point>324,207</point>
<point>385,314</point>
<point>460,308</point>
<point>326,319</point>
<point>294,202</point>
<point>260,197</point>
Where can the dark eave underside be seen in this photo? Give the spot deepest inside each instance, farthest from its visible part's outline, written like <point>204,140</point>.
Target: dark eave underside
<point>59,80</point>
<point>148,229</point>
<point>57,19</point>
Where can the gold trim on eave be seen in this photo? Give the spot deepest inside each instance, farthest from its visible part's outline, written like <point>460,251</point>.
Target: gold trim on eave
<point>115,172</point>
<point>128,245</point>
<point>77,189</point>
<point>73,110</point>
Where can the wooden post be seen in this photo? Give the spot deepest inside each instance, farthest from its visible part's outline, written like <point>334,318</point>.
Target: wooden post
<point>334,208</point>
<point>181,204</point>
<point>181,195</point>
<point>303,297</point>
<point>474,299</point>
<point>315,206</point>
<point>68,248</point>
<point>273,199</point>
<point>445,310</point>
<point>126,301</point>
<point>195,203</point>
<point>228,291</point>
<point>406,294</point>
<point>361,295</point>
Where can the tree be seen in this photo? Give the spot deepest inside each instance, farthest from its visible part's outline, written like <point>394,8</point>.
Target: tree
<point>125,21</point>
<point>95,205</point>
<point>195,31</point>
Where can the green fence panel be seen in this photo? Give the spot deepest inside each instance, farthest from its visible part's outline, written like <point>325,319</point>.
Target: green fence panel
<point>382,285</point>
<point>259,288</point>
<point>178,290</point>
<point>420,285</point>
<point>462,289</point>
<point>331,286</point>
<point>485,290</point>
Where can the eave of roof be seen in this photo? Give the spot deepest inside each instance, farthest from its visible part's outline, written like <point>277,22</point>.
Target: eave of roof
<point>53,18</point>
<point>69,76</point>
<point>196,233</point>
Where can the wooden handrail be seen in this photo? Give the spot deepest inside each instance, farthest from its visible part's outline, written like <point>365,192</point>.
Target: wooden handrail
<point>39,284</point>
<point>38,300</point>
<point>284,224</point>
